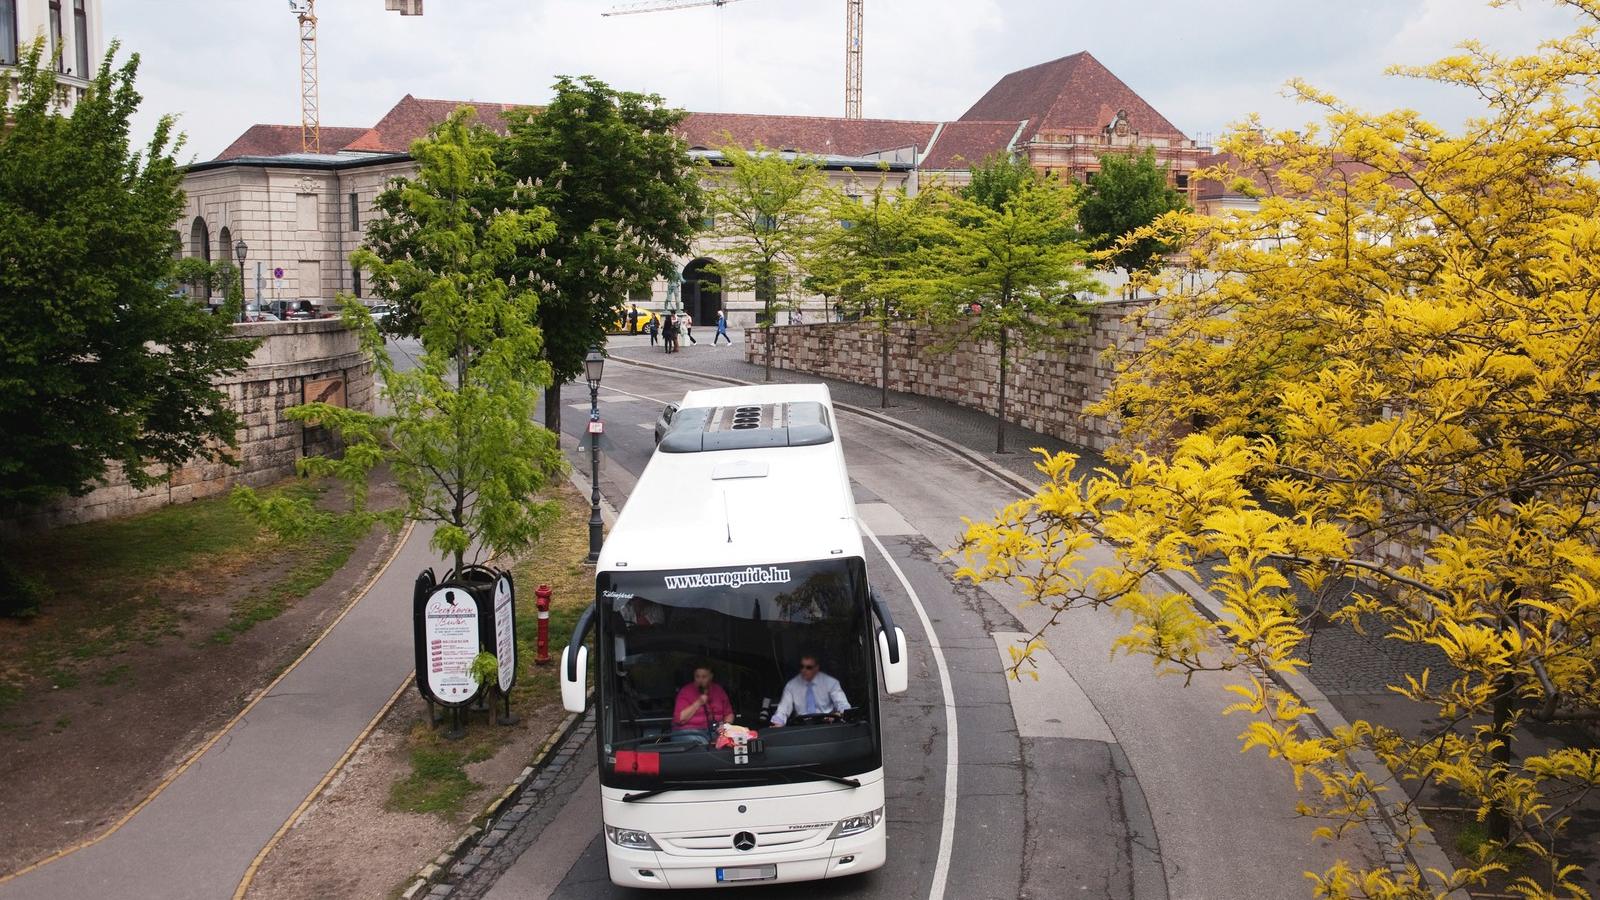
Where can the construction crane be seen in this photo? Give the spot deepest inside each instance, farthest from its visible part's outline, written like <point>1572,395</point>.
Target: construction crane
<point>854,19</point>
<point>305,12</point>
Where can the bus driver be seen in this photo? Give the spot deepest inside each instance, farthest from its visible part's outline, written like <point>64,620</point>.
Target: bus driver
<point>811,693</point>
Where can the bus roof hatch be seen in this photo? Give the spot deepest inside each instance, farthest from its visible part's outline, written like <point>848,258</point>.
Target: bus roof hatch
<point>700,429</point>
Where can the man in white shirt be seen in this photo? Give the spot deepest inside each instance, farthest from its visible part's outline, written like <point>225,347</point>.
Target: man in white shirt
<point>812,692</point>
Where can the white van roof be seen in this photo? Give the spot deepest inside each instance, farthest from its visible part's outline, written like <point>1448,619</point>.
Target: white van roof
<point>747,505</point>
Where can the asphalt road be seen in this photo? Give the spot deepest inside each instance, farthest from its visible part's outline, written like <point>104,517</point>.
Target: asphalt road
<point>1098,780</point>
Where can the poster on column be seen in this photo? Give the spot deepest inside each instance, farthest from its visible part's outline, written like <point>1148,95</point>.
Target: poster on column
<point>450,643</point>
<point>505,630</point>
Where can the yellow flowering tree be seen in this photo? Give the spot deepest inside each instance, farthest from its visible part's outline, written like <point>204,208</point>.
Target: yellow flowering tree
<point>1388,374</point>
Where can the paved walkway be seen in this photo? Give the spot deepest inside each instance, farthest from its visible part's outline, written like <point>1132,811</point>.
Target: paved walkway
<point>200,834</point>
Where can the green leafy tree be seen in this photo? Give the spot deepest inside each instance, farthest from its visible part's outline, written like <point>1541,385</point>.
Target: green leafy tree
<point>767,210</point>
<point>867,257</point>
<point>100,360</point>
<point>623,197</point>
<point>461,437</point>
<point>1129,192</point>
<point>1002,264</point>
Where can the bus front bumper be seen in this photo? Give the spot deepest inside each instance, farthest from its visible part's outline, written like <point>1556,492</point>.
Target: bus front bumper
<point>661,870</point>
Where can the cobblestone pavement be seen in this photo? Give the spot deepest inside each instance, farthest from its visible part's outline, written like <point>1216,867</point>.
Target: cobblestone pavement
<point>518,829</point>
<point>1345,662</point>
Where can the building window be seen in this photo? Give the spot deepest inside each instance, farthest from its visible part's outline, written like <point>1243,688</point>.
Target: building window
<point>1183,181</point>
<point>55,36</point>
<point>8,32</point>
<point>355,214</point>
<point>80,36</point>
<point>355,277</point>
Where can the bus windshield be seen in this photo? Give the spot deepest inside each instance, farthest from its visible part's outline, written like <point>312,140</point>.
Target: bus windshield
<point>782,649</point>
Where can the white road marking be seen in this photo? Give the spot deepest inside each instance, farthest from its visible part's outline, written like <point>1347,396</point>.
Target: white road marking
<point>1054,705</point>
<point>947,830</point>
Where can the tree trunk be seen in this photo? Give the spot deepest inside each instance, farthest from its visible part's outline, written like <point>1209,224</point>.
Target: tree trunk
<point>552,409</point>
<point>1499,823</point>
<point>883,358</point>
<point>1000,419</point>
<point>771,320</point>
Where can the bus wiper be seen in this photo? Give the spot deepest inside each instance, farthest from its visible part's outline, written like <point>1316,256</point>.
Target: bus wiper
<point>798,770</point>
<point>684,786</point>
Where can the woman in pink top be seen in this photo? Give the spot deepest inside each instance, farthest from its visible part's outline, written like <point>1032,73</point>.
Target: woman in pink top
<point>701,703</point>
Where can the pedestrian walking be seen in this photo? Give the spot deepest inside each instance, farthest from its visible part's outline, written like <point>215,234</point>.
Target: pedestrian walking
<point>651,328</point>
<point>633,319</point>
<point>688,328</point>
<point>722,328</point>
<point>669,334</point>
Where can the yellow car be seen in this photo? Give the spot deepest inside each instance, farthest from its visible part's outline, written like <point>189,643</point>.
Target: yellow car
<point>621,326</point>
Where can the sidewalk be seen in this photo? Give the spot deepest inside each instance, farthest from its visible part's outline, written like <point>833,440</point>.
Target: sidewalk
<point>200,833</point>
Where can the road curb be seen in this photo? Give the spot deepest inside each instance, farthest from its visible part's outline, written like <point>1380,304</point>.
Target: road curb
<point>497,817</point>
<point>1422,853</point>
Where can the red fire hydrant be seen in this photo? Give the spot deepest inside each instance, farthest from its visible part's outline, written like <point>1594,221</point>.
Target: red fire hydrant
<point>541,596</point>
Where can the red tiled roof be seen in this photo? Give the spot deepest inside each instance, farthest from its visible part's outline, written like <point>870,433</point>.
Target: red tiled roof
<point>1073,93</point>
<point>805,134</point>
<point>1266,182</point>
<point>279,140</point>
<point>411,118</point>
<point>962,145</point>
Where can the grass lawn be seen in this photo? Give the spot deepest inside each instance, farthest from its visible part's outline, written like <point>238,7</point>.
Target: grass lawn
<point>438,782</point>
<point>106,587</point>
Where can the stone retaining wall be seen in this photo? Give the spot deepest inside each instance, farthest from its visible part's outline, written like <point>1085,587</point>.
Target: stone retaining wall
<point>321,353</point>
<point>1047,388</point>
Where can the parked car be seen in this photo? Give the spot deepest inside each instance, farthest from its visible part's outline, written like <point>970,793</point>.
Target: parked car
<point>380,313</point>
<point>664,421</point>
<point>292,309</point>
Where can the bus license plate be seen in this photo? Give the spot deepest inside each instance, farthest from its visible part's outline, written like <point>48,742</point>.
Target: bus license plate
<point>748,873</point>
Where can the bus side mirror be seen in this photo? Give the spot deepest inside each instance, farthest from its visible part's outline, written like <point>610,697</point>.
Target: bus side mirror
<point>574,673</point>
<point>892,659</point>
<point>575,678</point>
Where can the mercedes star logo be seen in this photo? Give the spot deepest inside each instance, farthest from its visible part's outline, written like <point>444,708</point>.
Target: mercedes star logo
<point>744,840</point>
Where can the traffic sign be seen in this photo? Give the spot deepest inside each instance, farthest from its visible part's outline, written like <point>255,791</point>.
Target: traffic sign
<point>596,426</point>
<point>277,272</point>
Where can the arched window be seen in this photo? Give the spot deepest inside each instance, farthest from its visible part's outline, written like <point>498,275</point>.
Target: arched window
<point>8,32</point>
<point>80,36</point>
<point>200,247</point>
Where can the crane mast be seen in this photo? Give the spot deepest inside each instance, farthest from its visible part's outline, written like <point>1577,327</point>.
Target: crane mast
<point>310,113</point>
<point>305,12</point>
<point>853,50</point>
<point>852,58</point>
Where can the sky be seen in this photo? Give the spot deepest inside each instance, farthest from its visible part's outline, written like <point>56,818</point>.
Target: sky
<point>222,65</point>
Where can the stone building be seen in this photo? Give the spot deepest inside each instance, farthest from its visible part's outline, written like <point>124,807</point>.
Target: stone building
<point>69,27</point>
<point>303,214</point>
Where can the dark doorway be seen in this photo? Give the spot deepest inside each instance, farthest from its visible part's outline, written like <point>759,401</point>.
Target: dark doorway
<point>702,291</point>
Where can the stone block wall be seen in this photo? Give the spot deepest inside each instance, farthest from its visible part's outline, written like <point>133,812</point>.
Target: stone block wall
<point>1048,387</point>
<point>291,355</point>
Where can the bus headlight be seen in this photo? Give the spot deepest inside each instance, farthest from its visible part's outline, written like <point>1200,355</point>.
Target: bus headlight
<point>857,824</point>
<point>633,840</point>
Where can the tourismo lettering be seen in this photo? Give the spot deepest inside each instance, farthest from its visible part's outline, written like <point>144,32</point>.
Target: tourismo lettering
<point>735,579</point>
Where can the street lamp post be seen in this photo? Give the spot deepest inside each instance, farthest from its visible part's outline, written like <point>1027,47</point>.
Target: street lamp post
<point>239,250</point>
<point>593,365</point>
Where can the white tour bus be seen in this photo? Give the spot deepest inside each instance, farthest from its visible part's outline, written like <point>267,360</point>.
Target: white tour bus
<point>739,551</point>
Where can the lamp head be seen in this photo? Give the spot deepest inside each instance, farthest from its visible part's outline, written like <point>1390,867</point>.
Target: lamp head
<point>593,365</point>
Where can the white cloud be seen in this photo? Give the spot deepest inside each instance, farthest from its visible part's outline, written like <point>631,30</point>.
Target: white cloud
<point>226,64</point>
